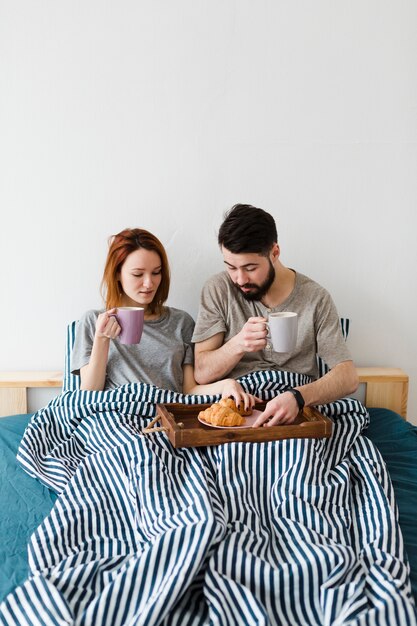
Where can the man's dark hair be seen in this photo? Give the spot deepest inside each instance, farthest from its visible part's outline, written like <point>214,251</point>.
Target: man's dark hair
<point>248,229</point>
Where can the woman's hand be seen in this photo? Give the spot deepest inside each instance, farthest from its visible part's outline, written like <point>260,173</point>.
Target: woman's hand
<point>93,375</point>
<point>232,389</point>
<point>107,325</point>
<point>227,388</point>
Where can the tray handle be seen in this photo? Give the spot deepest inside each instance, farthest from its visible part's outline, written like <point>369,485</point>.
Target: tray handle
<point>150,428</point>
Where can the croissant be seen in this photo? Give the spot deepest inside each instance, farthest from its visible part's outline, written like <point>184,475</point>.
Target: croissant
<point>242,411</point>
<point>219,415</point>
<point>229,402</point>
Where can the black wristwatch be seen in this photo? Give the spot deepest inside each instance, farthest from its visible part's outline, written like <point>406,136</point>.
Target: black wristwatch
<point>299,398</point>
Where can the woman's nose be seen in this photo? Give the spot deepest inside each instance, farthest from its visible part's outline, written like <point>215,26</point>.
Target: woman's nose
<point>147,281</point>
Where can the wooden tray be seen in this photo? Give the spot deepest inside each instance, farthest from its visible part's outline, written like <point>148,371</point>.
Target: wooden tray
<point>185,431</point>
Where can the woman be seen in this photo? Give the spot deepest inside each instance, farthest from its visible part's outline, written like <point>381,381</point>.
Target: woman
<point>137,274</point>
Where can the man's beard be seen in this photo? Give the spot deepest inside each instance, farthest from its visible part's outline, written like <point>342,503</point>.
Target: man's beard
<point>258,290</point>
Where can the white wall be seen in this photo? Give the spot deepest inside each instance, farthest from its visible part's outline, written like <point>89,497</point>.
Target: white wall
<point>163,114</point>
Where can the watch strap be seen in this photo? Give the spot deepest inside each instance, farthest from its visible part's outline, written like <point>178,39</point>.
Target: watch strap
<point>299,398</point>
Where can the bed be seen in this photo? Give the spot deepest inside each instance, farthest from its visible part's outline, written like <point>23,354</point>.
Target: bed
<point>206,527</point>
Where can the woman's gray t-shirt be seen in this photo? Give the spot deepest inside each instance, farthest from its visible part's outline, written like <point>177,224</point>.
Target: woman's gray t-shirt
<point>158,359</point>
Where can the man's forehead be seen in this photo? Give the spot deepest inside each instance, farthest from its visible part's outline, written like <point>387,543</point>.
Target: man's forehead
<point>242,259</point>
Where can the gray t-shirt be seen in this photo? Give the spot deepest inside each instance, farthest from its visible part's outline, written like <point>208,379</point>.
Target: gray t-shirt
<point>223,309</point>
<point>158,359</point>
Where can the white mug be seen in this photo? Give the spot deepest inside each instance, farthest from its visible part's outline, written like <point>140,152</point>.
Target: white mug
<point>282,330</point>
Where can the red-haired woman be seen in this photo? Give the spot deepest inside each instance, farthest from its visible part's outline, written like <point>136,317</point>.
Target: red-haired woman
<point>137,274</point>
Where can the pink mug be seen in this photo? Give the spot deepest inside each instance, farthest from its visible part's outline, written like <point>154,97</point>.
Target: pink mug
<point>130,319</point>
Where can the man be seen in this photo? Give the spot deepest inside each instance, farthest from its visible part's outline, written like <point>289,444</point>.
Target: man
<point>231,334</point>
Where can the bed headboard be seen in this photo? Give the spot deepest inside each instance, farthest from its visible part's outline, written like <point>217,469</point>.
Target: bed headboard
<point>386,387</point>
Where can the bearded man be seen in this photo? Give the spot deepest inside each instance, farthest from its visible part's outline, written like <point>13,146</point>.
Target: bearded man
<point>231,336</point>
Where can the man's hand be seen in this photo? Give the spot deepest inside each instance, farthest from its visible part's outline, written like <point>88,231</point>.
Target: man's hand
<point>215,359</point>
<point>253,336</point>
<point>280,410</point>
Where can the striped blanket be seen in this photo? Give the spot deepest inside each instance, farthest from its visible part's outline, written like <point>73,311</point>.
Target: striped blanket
<point>293,532</point>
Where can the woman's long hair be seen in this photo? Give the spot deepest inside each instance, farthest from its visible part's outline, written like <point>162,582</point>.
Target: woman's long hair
<point>120,246</point>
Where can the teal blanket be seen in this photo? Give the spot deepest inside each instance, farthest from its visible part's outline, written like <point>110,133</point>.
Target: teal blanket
<point>24,503</point>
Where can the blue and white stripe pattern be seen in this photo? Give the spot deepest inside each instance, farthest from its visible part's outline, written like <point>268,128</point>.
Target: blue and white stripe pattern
<point>70,382</point>
<point>322,365</point>
<point>294,532</point>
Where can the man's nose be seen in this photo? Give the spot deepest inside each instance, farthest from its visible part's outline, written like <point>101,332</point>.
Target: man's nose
<point>242,278</point>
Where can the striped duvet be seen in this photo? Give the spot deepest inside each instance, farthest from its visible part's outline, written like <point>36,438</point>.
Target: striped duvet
<point>292,532</point>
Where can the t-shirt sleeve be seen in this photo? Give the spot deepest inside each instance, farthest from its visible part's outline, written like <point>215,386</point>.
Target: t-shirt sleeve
<point>211,318</point>
<point>83,344</point>
<point>331,345</point>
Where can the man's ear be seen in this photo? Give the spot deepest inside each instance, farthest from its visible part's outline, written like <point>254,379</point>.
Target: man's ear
<point>275,252</point>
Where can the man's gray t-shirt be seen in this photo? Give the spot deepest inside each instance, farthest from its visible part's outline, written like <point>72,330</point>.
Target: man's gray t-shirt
<point>158,359</point>
<point>223,309</point>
